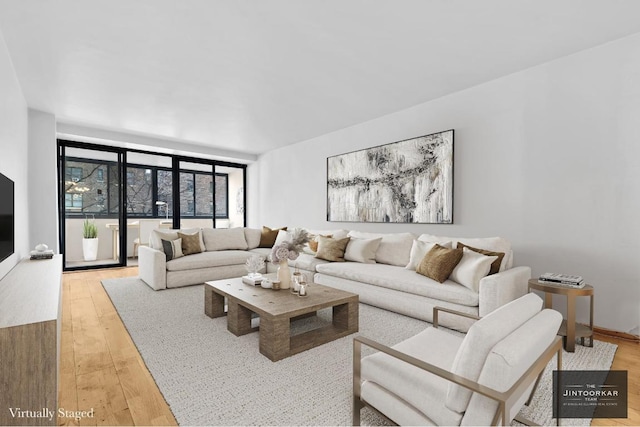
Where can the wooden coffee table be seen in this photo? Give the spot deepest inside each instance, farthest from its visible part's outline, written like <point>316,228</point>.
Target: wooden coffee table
<point>276,310</point>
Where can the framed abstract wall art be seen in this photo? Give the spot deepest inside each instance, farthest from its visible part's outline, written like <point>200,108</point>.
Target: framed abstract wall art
<point>409,181</point>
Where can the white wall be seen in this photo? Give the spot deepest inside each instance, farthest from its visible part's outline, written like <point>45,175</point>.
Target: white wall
<point>547,158</point>
<point>13,153</point>
<point>43,180</point>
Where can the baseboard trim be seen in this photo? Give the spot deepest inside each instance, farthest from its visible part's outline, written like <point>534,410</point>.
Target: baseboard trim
<point>616,334</point>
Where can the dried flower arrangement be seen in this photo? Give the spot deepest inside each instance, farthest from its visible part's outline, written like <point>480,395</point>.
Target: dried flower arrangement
<point>290,249</point>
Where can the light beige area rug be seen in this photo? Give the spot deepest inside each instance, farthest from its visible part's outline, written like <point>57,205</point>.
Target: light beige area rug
<point>209,376</point>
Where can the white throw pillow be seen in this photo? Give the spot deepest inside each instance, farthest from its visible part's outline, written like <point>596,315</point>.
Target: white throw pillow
<point>157,235</point>
<point>155,239</point>
<point>472,267</point>
<point>283,236</point>
<point>419,250</point>
<point>394,248</point>
<point>362,250</point>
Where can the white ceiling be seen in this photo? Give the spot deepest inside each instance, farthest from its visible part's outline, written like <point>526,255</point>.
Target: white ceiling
<point>251,76</point>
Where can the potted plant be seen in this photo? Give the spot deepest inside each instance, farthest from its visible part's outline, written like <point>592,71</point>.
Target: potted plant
<point>89,240</point>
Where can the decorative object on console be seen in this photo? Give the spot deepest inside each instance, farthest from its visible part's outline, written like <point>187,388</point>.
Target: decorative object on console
<point>42,251</point>
<point>89,240</point>
<point>409,181</point>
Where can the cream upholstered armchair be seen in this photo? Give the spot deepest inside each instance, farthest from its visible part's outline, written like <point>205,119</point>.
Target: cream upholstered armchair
<point>437,378</point>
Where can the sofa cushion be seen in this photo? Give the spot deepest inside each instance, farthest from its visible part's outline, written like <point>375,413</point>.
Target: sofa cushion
<point>414,385</point>
<point>332,249</point>
<point>191,242</point>
<point>338,233</point>
<point>172,248</point>
<point>419,249</point>
<point>495,244</point>
<point>472,268</point>
<point>208,259</point>
<point>439,262</point>
<point>155,239</point>
<point>394,248</point>
<point>401,279</point>
<point>252,236</point>
<point>307,262</point>
<point>495,265</point>
<point>220,239</point>
<point>268,236</point>
<point>480,340</point>
<point>362,250</point>
<point>312,246</point>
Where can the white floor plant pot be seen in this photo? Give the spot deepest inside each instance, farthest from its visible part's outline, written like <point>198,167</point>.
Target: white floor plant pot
<point>90,249</point>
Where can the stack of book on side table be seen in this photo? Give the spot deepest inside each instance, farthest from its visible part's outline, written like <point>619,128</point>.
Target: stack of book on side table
<point>562,280</point>
<point>48,254</point>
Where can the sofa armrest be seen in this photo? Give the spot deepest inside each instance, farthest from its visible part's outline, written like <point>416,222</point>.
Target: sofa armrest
<point>500,288</point>
<point>152,267</point>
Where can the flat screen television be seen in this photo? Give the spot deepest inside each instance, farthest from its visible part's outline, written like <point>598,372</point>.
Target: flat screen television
<point>7,234</point>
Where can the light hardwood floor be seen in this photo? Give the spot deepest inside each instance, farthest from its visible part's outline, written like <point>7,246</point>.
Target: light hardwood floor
<point>101,368</point>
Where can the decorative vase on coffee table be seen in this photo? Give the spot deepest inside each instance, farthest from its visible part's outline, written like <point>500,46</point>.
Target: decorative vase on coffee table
<point>284,275</point>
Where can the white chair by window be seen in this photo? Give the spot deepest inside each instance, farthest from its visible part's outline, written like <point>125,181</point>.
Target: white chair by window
<point>437,378</point>
<point>146,226</point>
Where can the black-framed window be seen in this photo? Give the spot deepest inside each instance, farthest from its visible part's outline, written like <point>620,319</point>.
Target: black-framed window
<point>140,191</point>
<point>197,196</point>
<point>164,184</point>
<point>88,190</point>
<point>84,192</point>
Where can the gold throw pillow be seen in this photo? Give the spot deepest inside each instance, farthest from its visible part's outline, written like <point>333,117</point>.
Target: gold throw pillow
<point>332,249</point>
<point>495,265</point>
<point>190,243</point>
<point>439,262</point>
<point>268,236</point>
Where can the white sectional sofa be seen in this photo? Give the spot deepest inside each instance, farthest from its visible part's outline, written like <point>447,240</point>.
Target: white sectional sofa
<point>386,283</point>
<point>225,252</point>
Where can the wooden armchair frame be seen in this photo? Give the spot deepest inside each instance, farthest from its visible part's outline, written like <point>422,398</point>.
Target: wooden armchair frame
<point>505,400</point>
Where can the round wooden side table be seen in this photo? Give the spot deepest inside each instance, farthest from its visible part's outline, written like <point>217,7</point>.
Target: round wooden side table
<point>569,329</point>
